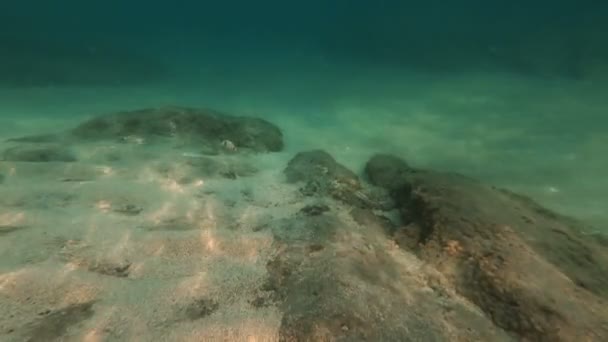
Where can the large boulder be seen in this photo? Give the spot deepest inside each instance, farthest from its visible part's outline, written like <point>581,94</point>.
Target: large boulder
<point>321,175</point>
<point>318,166</point>
<point>205,127</point>
<point>535,273</point>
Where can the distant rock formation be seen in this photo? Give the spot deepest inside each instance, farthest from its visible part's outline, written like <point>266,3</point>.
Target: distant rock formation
<point>203,126</point>
<point>206,132</point>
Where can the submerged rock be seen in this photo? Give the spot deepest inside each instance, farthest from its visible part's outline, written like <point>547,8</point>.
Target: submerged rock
<point>318,166</point>
<point>119,270</point>
<point>208,128</point>
<point>322,175</point>
<point>532,271</point>
<point>337,277</point>
<point>207,131</point>
<point>471,263</point>
<point>387,171</point>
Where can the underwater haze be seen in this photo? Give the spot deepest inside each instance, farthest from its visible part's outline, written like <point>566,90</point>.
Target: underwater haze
<point>303,171</point>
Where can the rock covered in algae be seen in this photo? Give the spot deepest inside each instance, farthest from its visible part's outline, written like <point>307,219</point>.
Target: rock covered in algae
<point>191,125</point>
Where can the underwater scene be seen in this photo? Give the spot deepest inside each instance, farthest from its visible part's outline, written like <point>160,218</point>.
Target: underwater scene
<point>303,170</point>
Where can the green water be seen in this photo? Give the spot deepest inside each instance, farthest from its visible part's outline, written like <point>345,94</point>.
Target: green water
<point>115,245</point>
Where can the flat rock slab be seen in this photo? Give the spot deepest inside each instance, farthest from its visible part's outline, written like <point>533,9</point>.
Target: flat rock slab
<point>205,131</point>
<point>535,273</point>
<point>321,175</point>
<point>214,130</point>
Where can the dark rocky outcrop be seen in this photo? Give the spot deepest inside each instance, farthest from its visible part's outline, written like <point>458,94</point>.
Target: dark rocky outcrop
<point>388,171</point>
<point>472,263</point>
<point>204,131</point>
<point>336,277</point>
<point>208,128</point>
<point>321,175</point>
<point>534,272</point>
<point>318,166</point>
<point>314,209</point>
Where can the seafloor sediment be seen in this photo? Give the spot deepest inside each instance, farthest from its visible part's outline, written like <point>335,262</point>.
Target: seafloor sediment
<point>188,224</point>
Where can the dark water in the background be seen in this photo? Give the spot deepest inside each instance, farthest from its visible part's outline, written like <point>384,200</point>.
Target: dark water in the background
<point>125,41</point>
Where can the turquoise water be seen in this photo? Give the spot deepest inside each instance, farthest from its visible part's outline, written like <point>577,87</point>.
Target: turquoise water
<point>512,95</point>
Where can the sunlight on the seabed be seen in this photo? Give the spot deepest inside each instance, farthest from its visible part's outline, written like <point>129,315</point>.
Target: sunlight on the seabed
<point>172,185</point>
<point>103,206</point>
<point>103,321</point>
<point>69,268</point>
<point>208,241</point>
<point>94,335</point>
<point>121,245</point>
<point>163,212</point>
<point>12,219</point>
<point>200,215</point>
<point>106,170</point>
<point>10,279</point>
